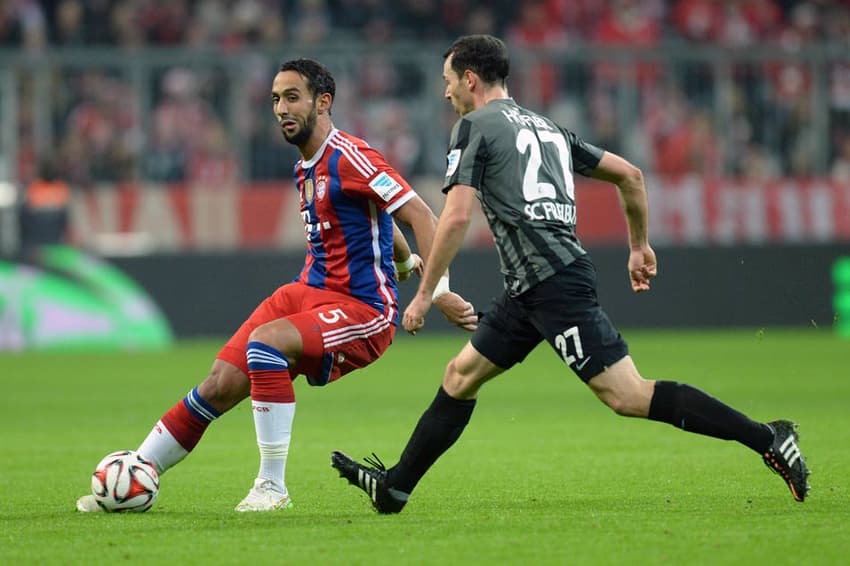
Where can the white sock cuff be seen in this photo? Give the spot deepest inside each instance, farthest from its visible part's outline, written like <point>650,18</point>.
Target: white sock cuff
<point>161,448</point>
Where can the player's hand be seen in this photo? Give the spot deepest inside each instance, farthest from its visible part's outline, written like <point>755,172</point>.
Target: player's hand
<point>457,311</point>
<point>414,314</point>
<point>418,267</point>
<point>642,267</point>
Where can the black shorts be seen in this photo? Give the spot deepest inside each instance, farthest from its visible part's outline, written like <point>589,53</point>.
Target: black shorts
<point>563,310</point>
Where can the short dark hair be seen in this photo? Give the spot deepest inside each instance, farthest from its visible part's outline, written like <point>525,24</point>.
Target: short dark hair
<point>484,55</point>
<point>319,79</point>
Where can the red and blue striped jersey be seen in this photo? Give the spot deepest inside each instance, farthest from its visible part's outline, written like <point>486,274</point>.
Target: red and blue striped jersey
<point>347,193</point>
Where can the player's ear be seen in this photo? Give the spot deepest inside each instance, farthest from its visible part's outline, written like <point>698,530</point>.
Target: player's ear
<point>325,102</point>
<point>470,78</point>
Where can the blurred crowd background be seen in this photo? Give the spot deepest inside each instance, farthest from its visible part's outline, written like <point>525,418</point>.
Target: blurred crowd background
<point>176,91</point>
<point>142,131</point>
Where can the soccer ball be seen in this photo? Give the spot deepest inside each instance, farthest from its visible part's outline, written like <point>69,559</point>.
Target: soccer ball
<point>125,481</point>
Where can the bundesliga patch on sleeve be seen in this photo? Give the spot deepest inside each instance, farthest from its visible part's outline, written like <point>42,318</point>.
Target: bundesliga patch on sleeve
<point>453,158</point>
<point>385,186</point>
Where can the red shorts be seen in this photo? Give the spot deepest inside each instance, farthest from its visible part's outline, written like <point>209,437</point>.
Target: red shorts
<point>339,333</point>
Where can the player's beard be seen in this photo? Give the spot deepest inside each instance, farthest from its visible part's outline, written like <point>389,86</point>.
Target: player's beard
<point>459,106</point>
<point>463,107</point>
<point>305,130</point>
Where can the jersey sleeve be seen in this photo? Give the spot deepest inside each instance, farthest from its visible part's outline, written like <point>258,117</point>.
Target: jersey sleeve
<point>368,175</point>
<point>585,156</point>
<point>466,157</point>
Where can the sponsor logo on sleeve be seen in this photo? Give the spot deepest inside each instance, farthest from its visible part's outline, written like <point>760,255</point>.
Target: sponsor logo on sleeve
<point>452,159</point>
<point>385,186</point>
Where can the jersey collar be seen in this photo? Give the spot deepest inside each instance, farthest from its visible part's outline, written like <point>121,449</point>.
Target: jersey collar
<point>318,155</point>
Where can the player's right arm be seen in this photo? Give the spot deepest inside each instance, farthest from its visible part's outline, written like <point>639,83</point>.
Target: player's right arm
<point>629,181</point>
<point>451,230</point>
<point>418,215</point>
<point>371,177</point>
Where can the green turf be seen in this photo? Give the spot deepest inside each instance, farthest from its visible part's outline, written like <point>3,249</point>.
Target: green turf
<point>543,475</point>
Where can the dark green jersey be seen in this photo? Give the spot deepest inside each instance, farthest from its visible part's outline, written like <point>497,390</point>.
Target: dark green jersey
<point>522,166</point>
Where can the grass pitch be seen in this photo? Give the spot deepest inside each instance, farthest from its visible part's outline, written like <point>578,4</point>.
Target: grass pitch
<point>543,475</point>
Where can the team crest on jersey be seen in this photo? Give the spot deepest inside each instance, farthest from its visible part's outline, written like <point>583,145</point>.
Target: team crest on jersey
<point>308,190</point>
<point>452,160</point>
<point>385,186</point>
<point>321,187</point>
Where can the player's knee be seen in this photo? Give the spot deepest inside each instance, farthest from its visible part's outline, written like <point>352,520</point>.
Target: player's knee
<point>618,404</point>
<point>280,334</point>
<point>452,379</point>
<point>623,389</point>
<point>264,333</point>
<point>458,382</point>
<point>626,402</point>
<point>224,387</point>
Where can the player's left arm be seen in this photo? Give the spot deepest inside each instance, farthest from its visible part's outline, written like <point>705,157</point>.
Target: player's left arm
<point>632,191</point>
<point>406,262</point>
<point>450,233</point>
<point>389,190</point>
<point>416,214</point>
<point>457,310</point>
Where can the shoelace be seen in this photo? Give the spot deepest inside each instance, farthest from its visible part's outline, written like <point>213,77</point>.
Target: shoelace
<point>375,463</point>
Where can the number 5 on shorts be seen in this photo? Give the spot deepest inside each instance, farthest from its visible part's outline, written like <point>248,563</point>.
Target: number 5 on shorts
<point>332,316</point>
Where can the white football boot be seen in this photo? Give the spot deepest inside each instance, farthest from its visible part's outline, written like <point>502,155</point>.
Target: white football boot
<point>88,504</point>
<point>264,496</point>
